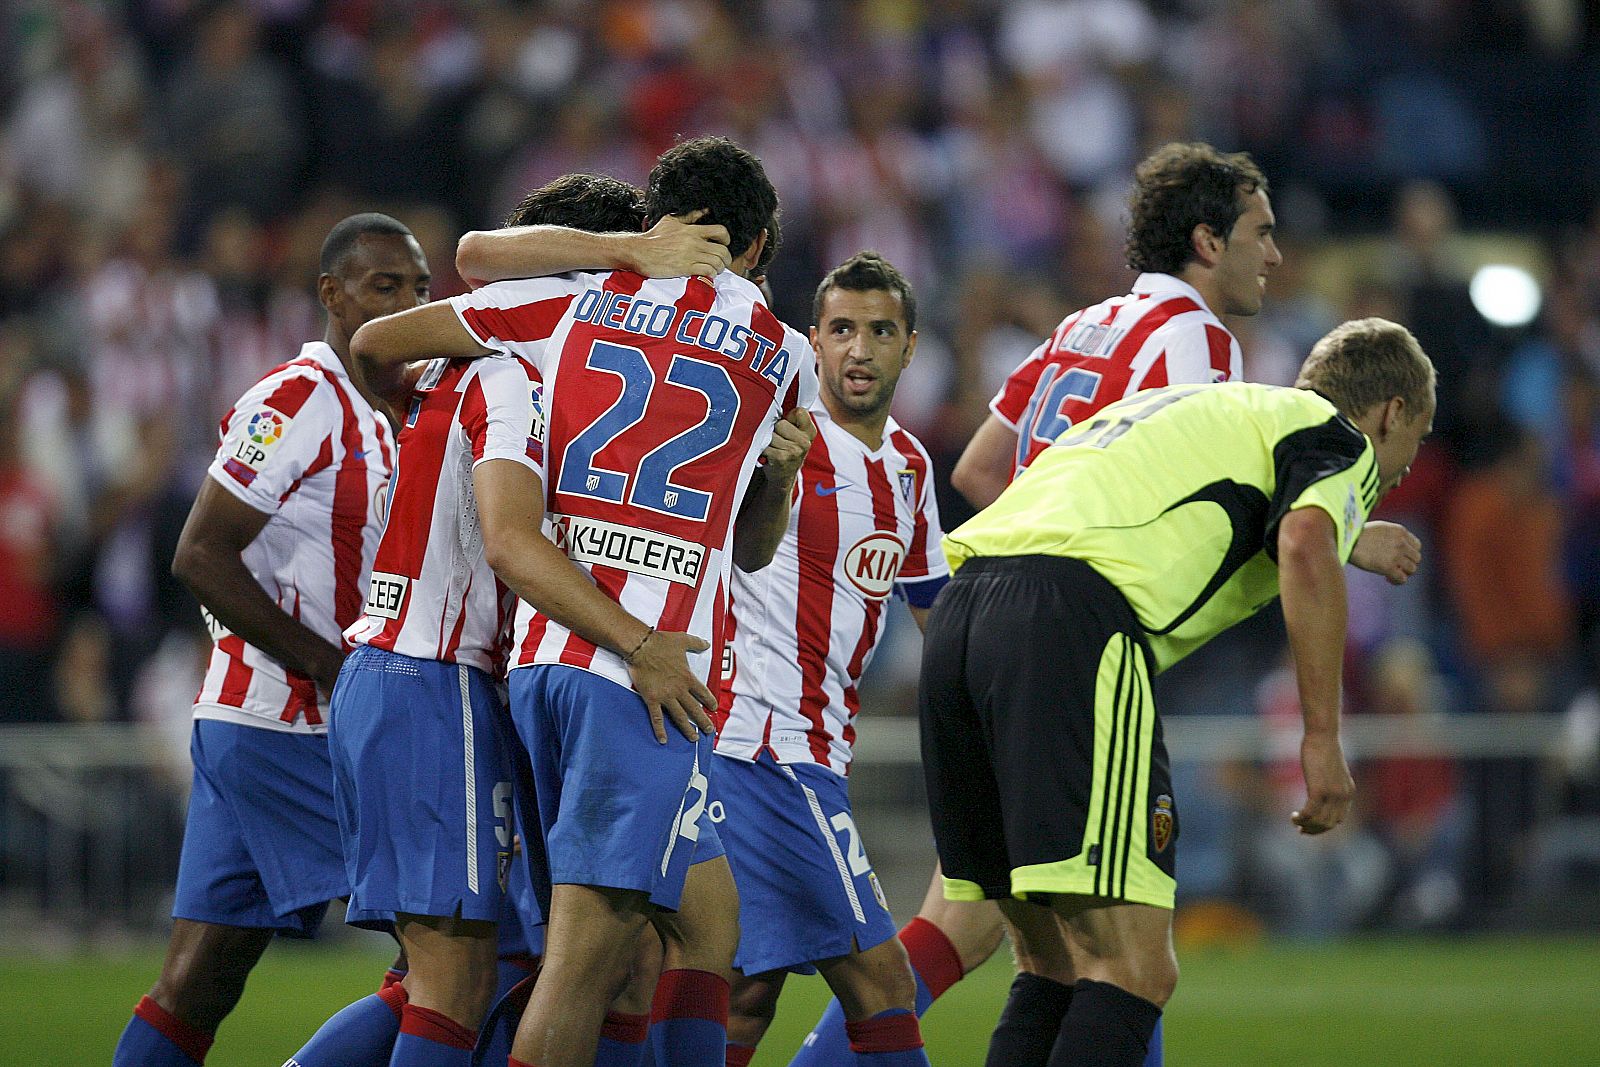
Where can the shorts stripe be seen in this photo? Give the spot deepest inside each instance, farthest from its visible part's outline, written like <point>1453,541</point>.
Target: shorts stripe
<point>472,778</point>
<point>833,845</point>
<point>1102,885</point>
<point>677,820</point>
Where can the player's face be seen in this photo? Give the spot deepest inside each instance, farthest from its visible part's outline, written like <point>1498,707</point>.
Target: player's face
<point>862,347</point>
<point>1399,448</point>
<point>387,273</point>
<point>1250,255</point>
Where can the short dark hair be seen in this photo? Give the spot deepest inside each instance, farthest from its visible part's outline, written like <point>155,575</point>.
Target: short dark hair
<point>1178,187</point>
<point>341,240</point>
<point>865,272</point>
<point>597,203</point>
<point>1364,362</point>
<point>716,174</point>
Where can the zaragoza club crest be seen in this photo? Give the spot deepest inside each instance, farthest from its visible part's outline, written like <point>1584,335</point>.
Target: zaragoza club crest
<point>1161,823</point>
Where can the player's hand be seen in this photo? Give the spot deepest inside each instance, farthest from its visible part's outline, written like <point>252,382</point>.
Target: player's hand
<point>791,440</point>
<point>325,670</point>
<point>1389,549</point>
<point>679,247</point>
<point>1329,787</point>
<point>662,678</point>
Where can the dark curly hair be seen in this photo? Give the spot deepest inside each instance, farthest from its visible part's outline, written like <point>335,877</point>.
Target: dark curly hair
<point>716,174</point>
<point>597,203</point>
<point>865,272</point>
<point>1178,187</point>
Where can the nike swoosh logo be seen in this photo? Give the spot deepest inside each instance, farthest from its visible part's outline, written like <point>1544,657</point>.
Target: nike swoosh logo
<point>359,453</point>
<point>829,490</point>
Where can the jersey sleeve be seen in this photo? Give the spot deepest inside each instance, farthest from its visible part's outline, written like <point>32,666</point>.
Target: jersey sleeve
<point>1198,352</point>
<point>497,413</point>
<point>924,571</point>
<point>1011,402</point>
<point>516,316</point>
<point>280,431</point>
<point>1331,466</point>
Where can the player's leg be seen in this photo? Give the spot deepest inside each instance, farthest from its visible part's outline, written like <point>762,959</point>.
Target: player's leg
<point>752,1005</point>
<point>589,946</point>
<point>260,855</point>
<point>1040,994</point>
<point>448,989</point>
<point>878,994</point>
<point>1122,954</point>
<point>625,1034</point>
<point>201,980</point>
<point>689,1016</point>
<point>946,940</point>
<point>619,813</point>
<point>423,796</point>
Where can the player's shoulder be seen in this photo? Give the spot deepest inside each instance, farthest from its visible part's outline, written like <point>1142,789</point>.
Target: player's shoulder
<point>905,442</point>
<point>294,385</point>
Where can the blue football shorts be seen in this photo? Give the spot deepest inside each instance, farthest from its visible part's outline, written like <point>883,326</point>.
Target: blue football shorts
<point>617,808</point>
<point>423,787</point>
<point>807,891</point>
<point>261,843</point>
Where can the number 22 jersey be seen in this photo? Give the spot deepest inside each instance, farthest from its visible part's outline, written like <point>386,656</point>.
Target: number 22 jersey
<point>659,396</point>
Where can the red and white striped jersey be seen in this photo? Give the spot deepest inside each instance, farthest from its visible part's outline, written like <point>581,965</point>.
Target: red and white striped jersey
<point>659,397</point>
<point>303,446</point>
<point>1162,333</point>
<point>803,628</point>
<point>433,595</point>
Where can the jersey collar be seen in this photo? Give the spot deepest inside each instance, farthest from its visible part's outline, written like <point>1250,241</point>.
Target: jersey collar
<point>324,354</point>
<point>820,415</point>
<point>1168,285</point>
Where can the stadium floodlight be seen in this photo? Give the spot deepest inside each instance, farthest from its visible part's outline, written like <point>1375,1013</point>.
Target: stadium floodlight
<point>1506,295</point>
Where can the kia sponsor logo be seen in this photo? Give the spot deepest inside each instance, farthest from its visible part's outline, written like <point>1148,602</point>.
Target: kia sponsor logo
<point>873,563</point>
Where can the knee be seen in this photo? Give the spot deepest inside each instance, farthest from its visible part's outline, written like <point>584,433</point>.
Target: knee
<point>198,987</point>
<point>1154,978</point>
<point>874,981</point>
<point>752,1005</point>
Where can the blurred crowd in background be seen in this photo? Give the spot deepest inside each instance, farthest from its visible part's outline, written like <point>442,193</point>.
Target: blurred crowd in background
<point>168,169</point>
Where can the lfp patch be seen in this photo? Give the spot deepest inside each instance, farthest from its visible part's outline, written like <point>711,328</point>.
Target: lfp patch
<point>253,445</point>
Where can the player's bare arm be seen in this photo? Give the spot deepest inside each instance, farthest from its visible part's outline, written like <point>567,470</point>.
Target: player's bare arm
<point>984,469</point>
<point>1311,582</point>
<point>764,512</point>
<point>384,349</point>
<point>510,508</point>
<point>675,247</point>
<point>209,561</point>
<point>1389,549</point>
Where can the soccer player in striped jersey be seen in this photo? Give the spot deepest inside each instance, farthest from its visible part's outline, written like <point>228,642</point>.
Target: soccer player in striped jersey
<point>1200,232</point>
<point>277,548</point>
<point>430,850</point>
<point>660,397</point>
<point>1133,540</point>
<point>800,632</point>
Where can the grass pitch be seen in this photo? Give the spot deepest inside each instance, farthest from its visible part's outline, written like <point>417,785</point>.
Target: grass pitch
<point>1499,1001</point>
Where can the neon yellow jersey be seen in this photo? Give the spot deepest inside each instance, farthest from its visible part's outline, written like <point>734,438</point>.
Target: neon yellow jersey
<point>1175,496</point>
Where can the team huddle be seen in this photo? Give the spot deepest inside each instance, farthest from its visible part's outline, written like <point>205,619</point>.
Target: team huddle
<point>540,614</point>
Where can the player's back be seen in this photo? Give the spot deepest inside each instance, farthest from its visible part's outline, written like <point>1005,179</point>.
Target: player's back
<point>1161,333</point>
<point>433,594</point>
<point>659,396</point>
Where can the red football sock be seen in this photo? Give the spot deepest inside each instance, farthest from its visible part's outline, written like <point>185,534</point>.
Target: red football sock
<point>191,1041</point>
<point>436,1027</point>
<point>933,955</point>
<point>740,1055</point>
<point>396,997</point>
<point>625,1028</point>
<point>892,1031</point>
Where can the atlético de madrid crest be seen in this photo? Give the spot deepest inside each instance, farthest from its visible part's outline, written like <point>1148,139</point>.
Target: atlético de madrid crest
<point>908,486</point>
<point>1161,823</point>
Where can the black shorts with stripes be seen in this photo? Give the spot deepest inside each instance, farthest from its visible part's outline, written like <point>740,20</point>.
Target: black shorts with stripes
<point>1040,740</point>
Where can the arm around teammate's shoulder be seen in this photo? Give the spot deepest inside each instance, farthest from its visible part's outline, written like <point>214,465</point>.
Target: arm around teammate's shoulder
<point>382,348</point>
<point>509,513</point>
<point>1311,583</point>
